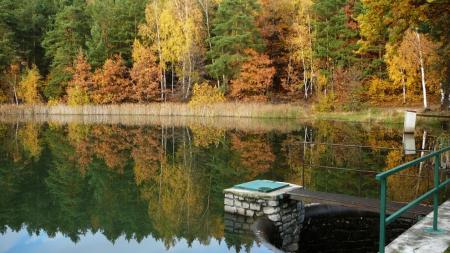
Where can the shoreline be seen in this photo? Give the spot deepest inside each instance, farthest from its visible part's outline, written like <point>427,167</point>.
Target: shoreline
<point>222,110</point>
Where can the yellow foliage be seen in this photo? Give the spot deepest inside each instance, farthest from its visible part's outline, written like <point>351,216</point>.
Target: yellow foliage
<point>381,90</point>
<point>29,86</point>
<point>53,101</point>
<point>29,136</point>
<point>3,97</point>
<point>326,103</point>
<point>403,62</point>
<point>205,94</point>
<point>205,136</point>
<point>77,96</point>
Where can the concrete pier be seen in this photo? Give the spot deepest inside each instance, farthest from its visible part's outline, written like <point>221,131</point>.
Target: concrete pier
<point>285,213</point>
<point>417,240</point>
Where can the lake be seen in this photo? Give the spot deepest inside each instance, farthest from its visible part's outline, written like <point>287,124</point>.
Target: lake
<point>142,184</point>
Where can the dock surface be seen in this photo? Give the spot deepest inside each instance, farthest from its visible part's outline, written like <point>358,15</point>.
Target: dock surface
<point>417,240</point>
<point>359,203</point>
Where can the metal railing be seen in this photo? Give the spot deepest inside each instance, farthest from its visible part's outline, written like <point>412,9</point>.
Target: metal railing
<point>382,177</point>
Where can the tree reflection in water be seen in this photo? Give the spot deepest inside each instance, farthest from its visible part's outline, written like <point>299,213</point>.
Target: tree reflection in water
<point>167,181</point>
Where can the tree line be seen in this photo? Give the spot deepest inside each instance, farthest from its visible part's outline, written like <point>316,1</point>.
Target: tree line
<point>337,54</point>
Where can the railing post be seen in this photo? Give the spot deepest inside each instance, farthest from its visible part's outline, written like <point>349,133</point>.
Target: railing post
<point>382,240</point>
<point>437,161</point>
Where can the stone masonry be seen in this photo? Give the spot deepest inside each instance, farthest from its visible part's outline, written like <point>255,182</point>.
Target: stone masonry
<point>286,214</point>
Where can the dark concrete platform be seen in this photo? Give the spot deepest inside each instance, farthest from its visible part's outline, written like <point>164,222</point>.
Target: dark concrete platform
<point>359,203</point>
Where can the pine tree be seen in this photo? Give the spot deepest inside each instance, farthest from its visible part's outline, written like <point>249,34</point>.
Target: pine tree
<point>333,35</point>
<point>234,30</point>
<point>114,28</point>
<point>62,43</point>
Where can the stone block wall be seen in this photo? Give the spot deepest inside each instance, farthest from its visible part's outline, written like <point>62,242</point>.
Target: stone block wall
<point>286,214</point>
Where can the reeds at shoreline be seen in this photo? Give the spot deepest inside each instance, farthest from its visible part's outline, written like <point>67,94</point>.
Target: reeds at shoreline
<point>235,110</point>
<point>241,110</point>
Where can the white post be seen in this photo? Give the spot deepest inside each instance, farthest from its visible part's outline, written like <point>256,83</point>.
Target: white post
<point>410,122</point>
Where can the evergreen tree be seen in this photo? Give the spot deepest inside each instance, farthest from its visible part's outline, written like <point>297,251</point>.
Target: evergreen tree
<point>333,35</point>
<point>30,20</point>
<point>7,45</point>
<point>234,30</point>
<point>62,43</point>
<point>114,27</point>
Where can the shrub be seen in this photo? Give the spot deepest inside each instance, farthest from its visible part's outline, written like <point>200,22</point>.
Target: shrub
<point>205,94</point>
<point>326,103</point>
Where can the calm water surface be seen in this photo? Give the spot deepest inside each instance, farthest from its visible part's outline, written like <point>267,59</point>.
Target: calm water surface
<point>132,185</point>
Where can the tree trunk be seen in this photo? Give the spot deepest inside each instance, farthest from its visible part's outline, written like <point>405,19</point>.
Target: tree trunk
<point>172,79</point>
<point>404,88</point>
<point>445,103</point>
<point>305,81</point>
<point>422,73</point>
<point>162,76</point>
<point>311,55</point>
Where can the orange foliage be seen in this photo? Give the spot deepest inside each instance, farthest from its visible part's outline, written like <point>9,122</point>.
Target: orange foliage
<point>145,74</point>
<point>112,83</point>
<point>255,78</point>
<point>147,153</point>
<point>81,83</point>
<point>256,154</point>
<point>275,23</point>
<point>111,144</point>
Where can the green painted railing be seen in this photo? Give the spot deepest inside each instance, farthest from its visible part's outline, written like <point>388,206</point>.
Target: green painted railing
<point>382,177</point>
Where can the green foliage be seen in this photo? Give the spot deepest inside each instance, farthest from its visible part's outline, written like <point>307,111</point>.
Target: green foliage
<point>233,31</point>
<point>7,47</point>
<point>332,44</point>
<point>114,27</point>
<point>357,101</point>
<point>309,42</point>
<point>68,35</point>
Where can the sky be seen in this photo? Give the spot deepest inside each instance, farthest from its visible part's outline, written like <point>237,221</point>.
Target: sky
<point>22,242</point>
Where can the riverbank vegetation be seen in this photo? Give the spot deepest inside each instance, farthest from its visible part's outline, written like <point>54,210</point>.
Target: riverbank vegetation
<point>332,55</point>
<point>235,110</point>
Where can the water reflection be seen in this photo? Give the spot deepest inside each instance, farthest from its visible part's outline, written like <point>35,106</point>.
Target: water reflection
<point>161,185</point>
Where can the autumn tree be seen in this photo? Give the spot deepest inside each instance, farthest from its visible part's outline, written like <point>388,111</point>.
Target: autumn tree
<point>254,79</point>
<point>389,21</point>
<point>255,152</point>
<point>111,83</point>
<point>301,51</point>
<point>29,86</point>
<point>205,95</point>
<point>81,84</point>
<point>234,30</point>
<point>10,83</point>
<point>275,23</point>
<point>175,31</point>
<point>145,74</point>
<point>414,62</point>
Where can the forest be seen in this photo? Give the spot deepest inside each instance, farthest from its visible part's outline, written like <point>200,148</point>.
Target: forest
<point>331,54</point>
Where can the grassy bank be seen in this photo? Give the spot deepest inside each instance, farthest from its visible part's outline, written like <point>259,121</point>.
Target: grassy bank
<point>239,110</point>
